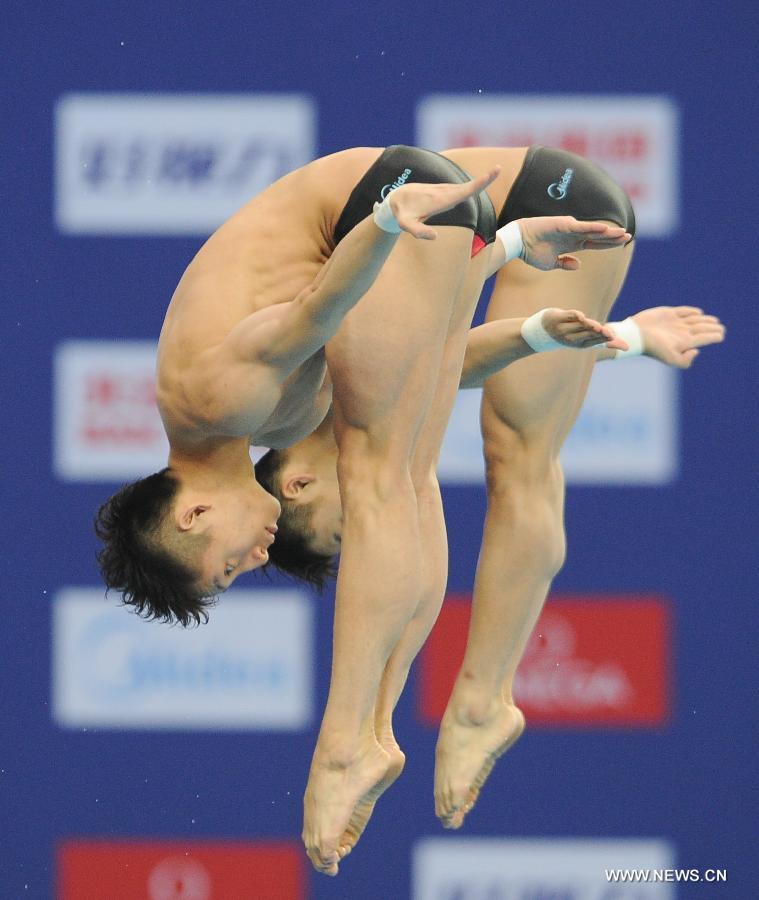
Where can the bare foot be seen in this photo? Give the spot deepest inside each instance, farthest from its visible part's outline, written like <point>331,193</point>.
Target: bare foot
<point>467,748</point>
<point>337,786</point>
<point>365,806</point>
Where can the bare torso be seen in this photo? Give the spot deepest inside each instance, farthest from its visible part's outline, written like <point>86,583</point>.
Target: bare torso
<point>258,260</point>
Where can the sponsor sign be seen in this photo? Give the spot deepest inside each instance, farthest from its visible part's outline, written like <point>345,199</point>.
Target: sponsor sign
<point>591,662</point>
<point>179,870</point>
<point>172,163</point>
<point>249,668</point>
<point>107,425</point>
<point>514,869</point>
<point>626,432</point>
<point>635,138</point>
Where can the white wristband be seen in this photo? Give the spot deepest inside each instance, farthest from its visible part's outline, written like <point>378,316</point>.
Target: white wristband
<point>384,217</point>
<point>511,238</point>
<point>629,331</point>
<point>536,336</point>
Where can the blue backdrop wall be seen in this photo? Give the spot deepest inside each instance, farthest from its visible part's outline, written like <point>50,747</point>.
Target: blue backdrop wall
<point>694,541</point>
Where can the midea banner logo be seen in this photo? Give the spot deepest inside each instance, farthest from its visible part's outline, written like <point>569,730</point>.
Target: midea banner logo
<point>249,668</point>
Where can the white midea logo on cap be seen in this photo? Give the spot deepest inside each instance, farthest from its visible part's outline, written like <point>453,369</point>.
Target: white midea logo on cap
<point>558,190</point>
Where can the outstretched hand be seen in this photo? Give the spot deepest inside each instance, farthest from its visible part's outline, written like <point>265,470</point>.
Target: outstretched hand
<point>549,241</point>
<point>573,328</point>
<point>413,203</point>
<point>673,334</point>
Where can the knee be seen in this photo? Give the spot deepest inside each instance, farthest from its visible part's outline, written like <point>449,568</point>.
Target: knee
<point>372,472</point>
<point>520,461</point>
<point>526,488</point>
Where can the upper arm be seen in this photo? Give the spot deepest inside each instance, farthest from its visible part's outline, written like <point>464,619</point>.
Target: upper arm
<point>280,337</point>
<point>229,394</point>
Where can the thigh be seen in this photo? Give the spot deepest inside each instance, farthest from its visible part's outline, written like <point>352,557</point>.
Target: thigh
<point>427,449</point>
<point>385,358</point>
<point>539,397</point>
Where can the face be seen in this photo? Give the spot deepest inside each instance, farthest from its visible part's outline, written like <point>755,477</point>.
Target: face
<point>241,526</point>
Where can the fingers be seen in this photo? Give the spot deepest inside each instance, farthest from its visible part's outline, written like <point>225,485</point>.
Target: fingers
<point>585,323</point>
<point>594,339</point>
<point>701,319</point>
<point>709,337</point>
<point>684,311</point>
<point>604,243</point>
<point>686,359</point>
<point>617,344</point>
<point>479,184</point>
<point>574,329</point>
<point>416,228</point>
<point>457,193</point>
<point>579,327</point>
<point>568,262</point>
<point>600,236</point>
<point>706,328</point>
<point>597,230</point>
<point>411,206</point>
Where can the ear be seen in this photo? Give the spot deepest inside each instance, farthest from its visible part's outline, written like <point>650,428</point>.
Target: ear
<point>188,517</point>
<point>293,485</point>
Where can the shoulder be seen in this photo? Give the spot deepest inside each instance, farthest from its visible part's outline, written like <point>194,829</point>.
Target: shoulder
<point>215,396</point>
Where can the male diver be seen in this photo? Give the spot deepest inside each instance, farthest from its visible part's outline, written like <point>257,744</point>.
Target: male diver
<point>269,301</point>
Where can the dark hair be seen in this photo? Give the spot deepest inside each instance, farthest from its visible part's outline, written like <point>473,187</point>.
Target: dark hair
<point>144,559</point>
<point>290,552</point>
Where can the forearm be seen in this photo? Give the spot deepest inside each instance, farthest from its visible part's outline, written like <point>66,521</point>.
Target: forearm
<point>315,315</point>
<point>493,346</point>
<point>490,348</point>
<point>350,272</point>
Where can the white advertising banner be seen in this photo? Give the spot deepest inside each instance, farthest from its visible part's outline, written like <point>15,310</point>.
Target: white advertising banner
<point>625,434</point>
<point>172,163</point>
<point>514,869</point>
<point>107,426</point>
<point>635,138</point>
<point>249,668</point>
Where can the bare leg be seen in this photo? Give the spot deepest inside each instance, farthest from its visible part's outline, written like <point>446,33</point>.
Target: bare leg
<point>433,565</point>
<point>433,561</point>
<point>383,363</point>
<point>527,413</point>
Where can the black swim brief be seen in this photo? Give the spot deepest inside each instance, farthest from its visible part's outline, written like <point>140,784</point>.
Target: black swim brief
<point>558,183</point>
<point>400,164</point>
